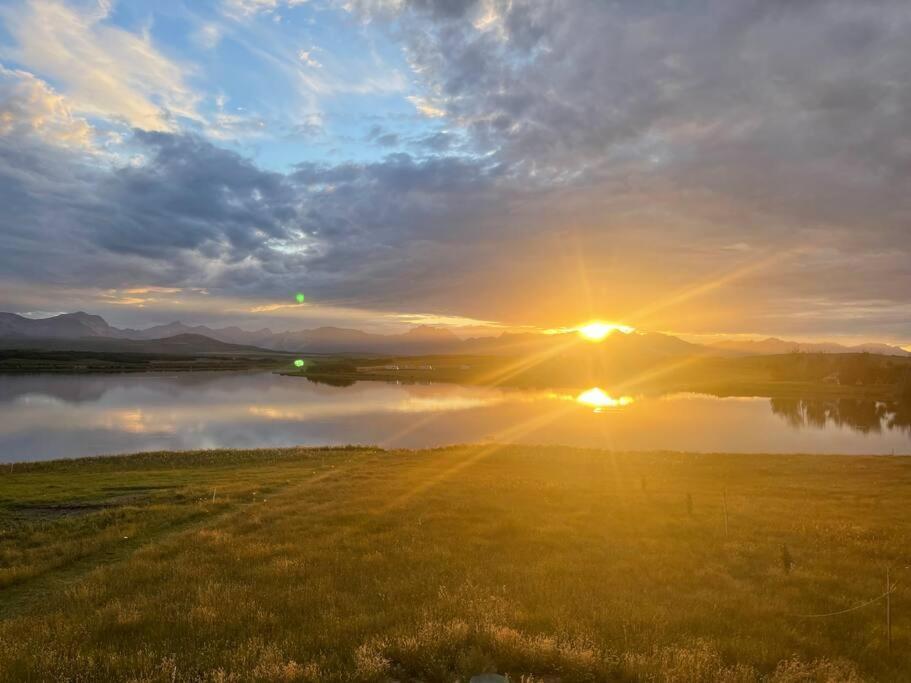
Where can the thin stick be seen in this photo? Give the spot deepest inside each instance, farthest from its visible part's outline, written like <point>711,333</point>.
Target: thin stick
<point>888,611</point>
<point>725,500</point>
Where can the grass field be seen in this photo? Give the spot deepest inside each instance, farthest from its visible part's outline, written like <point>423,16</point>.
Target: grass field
<point>548,564</point>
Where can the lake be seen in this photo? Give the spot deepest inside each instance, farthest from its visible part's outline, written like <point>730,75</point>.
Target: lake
<point>55,416</point>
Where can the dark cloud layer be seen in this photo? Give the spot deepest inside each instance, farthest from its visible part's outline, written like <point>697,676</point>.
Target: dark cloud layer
<point>192,196</point>
<point>800,108</point>
<point>667,141</point>
<point>194,215</point>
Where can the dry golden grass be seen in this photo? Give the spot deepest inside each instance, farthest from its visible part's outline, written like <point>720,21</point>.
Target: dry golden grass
<point>549,564</point>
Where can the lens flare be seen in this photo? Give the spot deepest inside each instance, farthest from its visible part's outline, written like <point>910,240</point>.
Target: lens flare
<point>298,363</point>
<point>599,400</point>
<point>300,298</point>
<point>597,330</point>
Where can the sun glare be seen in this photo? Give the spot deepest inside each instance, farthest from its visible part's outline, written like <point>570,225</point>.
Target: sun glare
<point>597,330</point>
<point>599,400</point>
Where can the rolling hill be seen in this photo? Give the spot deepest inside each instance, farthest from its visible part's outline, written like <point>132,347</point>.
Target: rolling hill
<point>181,344</point>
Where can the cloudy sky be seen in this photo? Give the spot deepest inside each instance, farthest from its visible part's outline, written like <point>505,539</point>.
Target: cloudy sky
<point>693,166</point>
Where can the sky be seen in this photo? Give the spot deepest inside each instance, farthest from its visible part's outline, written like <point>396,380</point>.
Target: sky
<point>700,167</point>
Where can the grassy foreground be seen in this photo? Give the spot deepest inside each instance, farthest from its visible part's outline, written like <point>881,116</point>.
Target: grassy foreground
<point>549,564</point>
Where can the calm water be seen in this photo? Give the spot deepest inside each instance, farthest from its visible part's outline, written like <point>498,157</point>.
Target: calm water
<point>48,416</point>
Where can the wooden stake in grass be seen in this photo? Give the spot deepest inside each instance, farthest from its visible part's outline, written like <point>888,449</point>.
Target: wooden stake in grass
<point>786,560</point>
<point>724,501</point>
<point>888,611</point>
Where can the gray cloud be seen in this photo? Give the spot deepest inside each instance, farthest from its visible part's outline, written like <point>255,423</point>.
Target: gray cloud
<point>381,137</point>
<point>774,123</point>
<point>778,105</point>
<point>194,215</point>
<point>439,142</point>
<point>191,195</point>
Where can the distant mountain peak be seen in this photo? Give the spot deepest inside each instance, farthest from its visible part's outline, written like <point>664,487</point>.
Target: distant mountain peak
<point>79,315</point>
<point>429,331</point>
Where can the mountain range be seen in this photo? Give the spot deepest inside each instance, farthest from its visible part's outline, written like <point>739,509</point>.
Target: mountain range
<point>77,331</point>
<point>773,345</point>
<point>93,332</point>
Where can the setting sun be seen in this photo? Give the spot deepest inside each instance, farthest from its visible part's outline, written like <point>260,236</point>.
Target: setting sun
<point>597,330</point>
<point>600,400</point>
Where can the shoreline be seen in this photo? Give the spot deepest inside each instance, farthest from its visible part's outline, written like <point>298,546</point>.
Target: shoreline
<point>233,456</point>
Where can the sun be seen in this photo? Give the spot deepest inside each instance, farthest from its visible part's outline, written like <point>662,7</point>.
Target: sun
<point>599,400</point>
<point>597,330</point>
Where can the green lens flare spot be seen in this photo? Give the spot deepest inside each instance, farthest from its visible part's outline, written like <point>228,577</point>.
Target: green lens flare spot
<point>300,298</point>
<point>298,363</point>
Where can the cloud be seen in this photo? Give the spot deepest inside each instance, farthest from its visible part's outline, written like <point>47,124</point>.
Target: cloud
<point>192,196</point>
<point>379,136</point>
<point>139,297</point>
<point>208,35</point>
<point>195,215</point>
<point>306,56</point>
<point>426,107</point>
<point>799,109</point>
<point>440,141</point>
<point>225,124</point>
<point>683,128</point>
<point>101,69</point>
<point>249,8</point>
<point>30,107</point>
<point>184,217</point>
<point>446,235</point>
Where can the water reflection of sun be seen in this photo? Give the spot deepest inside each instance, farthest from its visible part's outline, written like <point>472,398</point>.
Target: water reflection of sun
<point>599,400</point>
